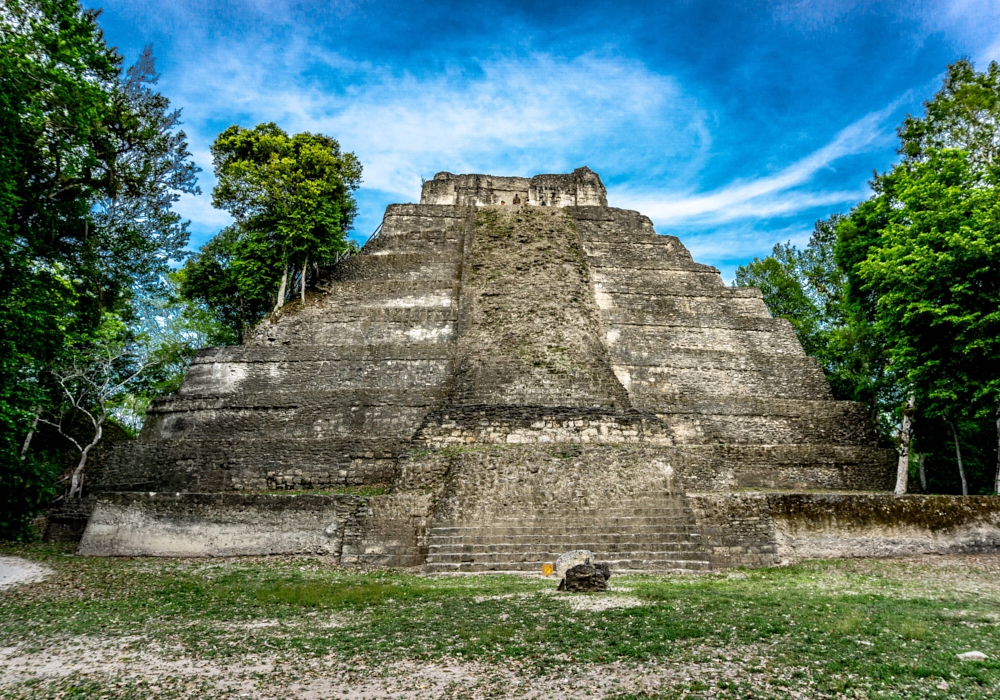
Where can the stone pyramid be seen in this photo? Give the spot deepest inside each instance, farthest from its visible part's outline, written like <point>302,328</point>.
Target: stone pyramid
<point>509,370</point>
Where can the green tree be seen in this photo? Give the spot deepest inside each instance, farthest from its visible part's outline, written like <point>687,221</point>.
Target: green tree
<point>935,275</point>
<point>292,198</point>
<point>963,115</point>
<point>866,375</point>
<point>90,164</point>
<point>920,261</point>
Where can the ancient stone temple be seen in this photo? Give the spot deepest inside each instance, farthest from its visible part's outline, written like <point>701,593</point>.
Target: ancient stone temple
<point>509,370</point>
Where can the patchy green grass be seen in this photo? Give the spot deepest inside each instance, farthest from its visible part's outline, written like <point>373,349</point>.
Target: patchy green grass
<point>330,594</point>
<point>821,629</point>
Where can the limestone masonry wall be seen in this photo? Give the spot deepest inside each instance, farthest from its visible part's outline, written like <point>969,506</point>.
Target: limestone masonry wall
<point>763,529</point>
<point>376,530</point>
<point>696,531</point>
<point>521,370</point>
<point>877,525</point>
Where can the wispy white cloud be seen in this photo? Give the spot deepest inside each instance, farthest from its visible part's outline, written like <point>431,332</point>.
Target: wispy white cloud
<point>990,53</point>
<point>524,115</point>
<point>534,113</point>
<point>521,115</point>
<point>769,195</point>
<point>972,25</point>
<point>743,241</point>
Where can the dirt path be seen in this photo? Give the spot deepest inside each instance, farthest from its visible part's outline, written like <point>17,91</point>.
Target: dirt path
<point>114,663</point>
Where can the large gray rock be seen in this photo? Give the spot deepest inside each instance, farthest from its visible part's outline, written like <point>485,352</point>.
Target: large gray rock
<point>604,568</point>
<point>584,578</point>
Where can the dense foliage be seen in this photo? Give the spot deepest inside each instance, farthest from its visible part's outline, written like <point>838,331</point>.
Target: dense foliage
<point>291,197</point>
<point>915,284</point>
<point>95,317</point>
<point>90,163</point>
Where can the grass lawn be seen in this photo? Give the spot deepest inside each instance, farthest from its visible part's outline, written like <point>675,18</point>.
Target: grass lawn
<point>298,627</point>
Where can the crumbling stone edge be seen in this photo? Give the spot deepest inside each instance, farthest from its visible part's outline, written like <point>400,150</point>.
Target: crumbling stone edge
<point>768,529</point>
<point>738,529</point>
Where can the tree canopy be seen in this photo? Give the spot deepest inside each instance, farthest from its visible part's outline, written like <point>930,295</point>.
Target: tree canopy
<point>91,161</point>
<point>293,204</point>
<point>935,274</point>
<point>915,331</point>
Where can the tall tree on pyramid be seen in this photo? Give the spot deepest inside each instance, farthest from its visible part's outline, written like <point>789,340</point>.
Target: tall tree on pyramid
<point>292,199</point>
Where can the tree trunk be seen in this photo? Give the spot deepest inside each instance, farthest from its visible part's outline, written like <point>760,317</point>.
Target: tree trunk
<point>958,453</point>
<point>244,326</point>
<point>996,485</point>
<point>903,466</point>
<point>38,412</point>
<point>281,288</point>
<point>76,481</point>
<point>923,474</point>
<point>302,282</point>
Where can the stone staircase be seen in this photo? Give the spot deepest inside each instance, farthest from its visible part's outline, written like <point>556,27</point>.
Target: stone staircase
<point>655,534</point>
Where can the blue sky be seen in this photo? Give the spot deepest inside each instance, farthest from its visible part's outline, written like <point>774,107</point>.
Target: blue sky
<point>734,125</point>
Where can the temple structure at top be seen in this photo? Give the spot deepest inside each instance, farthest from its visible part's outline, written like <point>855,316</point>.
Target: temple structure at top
<point>581,188</point>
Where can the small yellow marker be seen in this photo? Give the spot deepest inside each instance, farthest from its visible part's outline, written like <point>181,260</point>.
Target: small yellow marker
<point>547,569</point>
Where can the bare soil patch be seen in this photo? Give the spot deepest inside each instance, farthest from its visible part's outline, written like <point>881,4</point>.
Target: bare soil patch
<point>15,570</point>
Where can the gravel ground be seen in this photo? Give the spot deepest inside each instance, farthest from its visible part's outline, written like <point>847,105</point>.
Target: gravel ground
<point>102,665</point>
<point>124,662</point>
